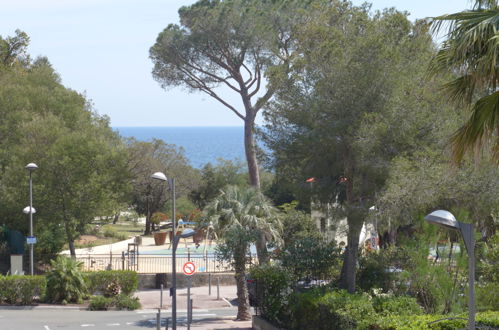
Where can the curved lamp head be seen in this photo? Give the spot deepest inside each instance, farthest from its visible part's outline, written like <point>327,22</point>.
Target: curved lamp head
<point>31,167</point>
<point>159,176</point>
<point>443,218</point>
<point>27,209</point>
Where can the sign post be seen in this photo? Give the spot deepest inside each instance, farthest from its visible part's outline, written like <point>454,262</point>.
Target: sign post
<point>189,269</point>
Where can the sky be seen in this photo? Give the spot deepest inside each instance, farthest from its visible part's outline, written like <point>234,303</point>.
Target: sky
<point>101,48</point>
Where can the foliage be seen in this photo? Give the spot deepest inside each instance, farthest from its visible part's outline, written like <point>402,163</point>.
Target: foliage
<point>241,216</point>
<point>470,53</point>
<point>145,158</point>
<point>321,261</point>
<point>81,171</point>
<point>342,117</point>
<point>380,269</point>
<point>109,231</point>
<point>99,303</point>
<point>121,302</point>
<point>215,178</point>
<point>65,281</point>
<point>298,224</point>
<point>410,322</point>
<point>126,302</point>
<point>486,296</point>
<point>112,282</point>
<point>273,287</point>
<point>22,289</point>
<point>385,304</point>
<point>233,44</point>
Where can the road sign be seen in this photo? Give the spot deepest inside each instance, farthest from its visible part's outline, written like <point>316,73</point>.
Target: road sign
<point>189,268</point>
<point>31,240</point>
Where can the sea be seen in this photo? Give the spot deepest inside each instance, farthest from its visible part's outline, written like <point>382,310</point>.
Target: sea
<point>201,145</point>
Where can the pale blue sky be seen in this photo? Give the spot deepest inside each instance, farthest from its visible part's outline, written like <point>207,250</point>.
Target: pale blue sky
<point>100,47</point>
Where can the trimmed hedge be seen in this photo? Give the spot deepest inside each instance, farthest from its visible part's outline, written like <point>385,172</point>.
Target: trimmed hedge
<point>21,289</point>
<point>112,282</point>
<point>410,322</point>
<point>121,302</point>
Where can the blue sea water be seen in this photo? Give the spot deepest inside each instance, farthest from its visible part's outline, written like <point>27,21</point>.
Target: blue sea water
<point>202,145</point>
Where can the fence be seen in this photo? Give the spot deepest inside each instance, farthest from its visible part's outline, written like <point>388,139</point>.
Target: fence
<point>150,264</point>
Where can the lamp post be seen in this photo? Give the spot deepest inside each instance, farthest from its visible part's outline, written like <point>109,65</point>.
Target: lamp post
<point>447,220</point>
<point>173,290</point>
<point>31,167</point>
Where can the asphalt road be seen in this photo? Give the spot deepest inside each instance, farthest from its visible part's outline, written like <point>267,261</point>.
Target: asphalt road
<point>52,319</point>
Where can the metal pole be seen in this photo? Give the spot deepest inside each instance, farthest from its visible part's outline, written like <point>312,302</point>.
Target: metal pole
<point>189,303</point>
<point>209,284</point>
<point>161,297</point>
<point>30,223</point>
<point>158,320</point>
<point>218,288</point>
<point>174,269</point>
<point>471,269</point>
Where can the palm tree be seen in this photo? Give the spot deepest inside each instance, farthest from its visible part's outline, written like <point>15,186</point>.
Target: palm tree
<point>471,52</point>
<point>240,216</point>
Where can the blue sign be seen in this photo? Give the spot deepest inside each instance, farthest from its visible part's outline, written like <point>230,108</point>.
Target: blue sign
<point>31,240</point>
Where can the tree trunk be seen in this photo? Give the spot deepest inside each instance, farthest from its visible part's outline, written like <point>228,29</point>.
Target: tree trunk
<point>70,237</point>
<point>349,268</point>
<point>116,217</point>
<point>250,150</point>
<point>254,176</point>
<point>243,307</point>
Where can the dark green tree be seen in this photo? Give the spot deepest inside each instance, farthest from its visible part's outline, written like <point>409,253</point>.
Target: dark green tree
<point>354,99</point>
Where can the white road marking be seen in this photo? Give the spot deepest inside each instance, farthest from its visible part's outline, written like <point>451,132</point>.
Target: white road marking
<point>112,324</point>
<point>130,323</point>
<point>46,327</point>
<point>88,325</point>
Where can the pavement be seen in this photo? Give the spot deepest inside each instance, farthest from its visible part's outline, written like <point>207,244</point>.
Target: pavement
<point>202,301</point>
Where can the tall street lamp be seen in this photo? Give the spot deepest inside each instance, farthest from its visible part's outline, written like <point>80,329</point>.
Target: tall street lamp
<point>446,219</point>
<point>173,290</point>
<point>31,167</point>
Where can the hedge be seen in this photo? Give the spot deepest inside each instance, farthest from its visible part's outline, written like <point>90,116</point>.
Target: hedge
<point>112,282</point>
<point>21,289</point>
<point>409,322</point>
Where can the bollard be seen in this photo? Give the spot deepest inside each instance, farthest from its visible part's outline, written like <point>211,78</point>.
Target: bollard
<point>209,284</point>
<point>218,288</point>
<point>161,297</point>
<point>122,260</point>
<point>158,320</point>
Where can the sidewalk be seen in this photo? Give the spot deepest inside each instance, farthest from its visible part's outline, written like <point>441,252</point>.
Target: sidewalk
<point>150,300</point>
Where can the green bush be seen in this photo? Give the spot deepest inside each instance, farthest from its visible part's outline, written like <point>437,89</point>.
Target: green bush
<point>487,297</point>
<point>427,321</point>
<point>65,281</point>
<point>99,303</point>
<point>18,289</point>
<point>273,287</point>
<point>112,282</point>
<point>122,301</point>
<point>322,309</point>
<point>403,305</point>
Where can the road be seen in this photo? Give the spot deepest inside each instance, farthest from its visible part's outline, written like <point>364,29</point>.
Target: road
<point>52,319</point>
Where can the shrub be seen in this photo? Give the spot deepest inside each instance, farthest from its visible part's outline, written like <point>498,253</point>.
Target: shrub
<point>17,289</point>
<point>404,305</point>
<point>112,282</point>
<point>99,303</point>
<point>122,301</point>
<point>65,282</point>
<point>273,286</point>
<point>427,321</point>
<point>487,297</point>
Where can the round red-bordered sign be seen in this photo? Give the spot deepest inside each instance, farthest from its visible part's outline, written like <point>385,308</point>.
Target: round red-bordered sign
<point>189,268</point>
